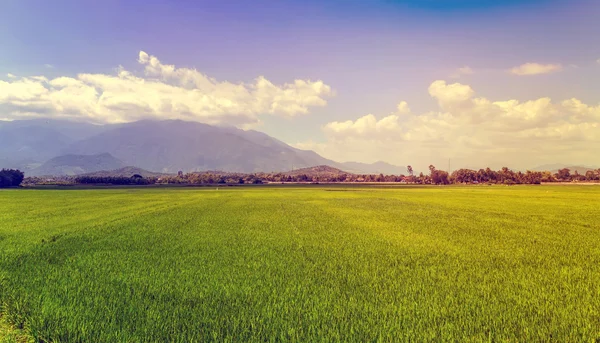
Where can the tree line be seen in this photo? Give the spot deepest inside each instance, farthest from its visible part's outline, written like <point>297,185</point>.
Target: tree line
<point>10,178</point>
<point>434,176</point>
<point>115,180</point>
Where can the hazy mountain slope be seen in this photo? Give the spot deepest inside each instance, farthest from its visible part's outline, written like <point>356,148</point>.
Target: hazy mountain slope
<point>77,164</point>
<point>34,143</point>
<point>160,146</point>
<point>173,145</point>
<point>579,169</point>
<point>71,129</point>
<point>556,166</point>
<point>124,172</point>
<point>301,158</point>
<point>552,166</point>
<point>25,144</point>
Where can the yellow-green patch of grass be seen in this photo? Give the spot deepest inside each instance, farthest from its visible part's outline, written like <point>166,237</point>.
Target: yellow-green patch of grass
<point>10,334</point>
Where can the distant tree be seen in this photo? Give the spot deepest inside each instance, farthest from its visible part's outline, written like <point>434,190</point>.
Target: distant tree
<point>492,176</point>
<point>463,176</point>
<point>5,180</point>
<point>547,177</point>
<point>564,174</point>
<point>506,174</point>
<point>532,177</point>
<point>113,180</point>
<point>439,177</point>
<point>410,171</point>
<point>11,177</point>
<point>590,175</point>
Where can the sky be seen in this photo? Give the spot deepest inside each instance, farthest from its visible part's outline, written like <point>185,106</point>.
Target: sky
<point>474,82</point>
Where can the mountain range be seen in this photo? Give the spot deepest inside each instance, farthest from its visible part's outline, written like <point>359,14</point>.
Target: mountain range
<point>57,147</point>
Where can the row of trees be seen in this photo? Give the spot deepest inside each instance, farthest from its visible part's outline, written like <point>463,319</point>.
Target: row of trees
<point>115,180</point>
<point>435,176</point>
<point>508,176</point>
<point>10,178</point>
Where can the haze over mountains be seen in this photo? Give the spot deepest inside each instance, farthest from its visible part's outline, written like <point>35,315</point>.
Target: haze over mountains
<point>77,164</point>
<point>554,167</point>
<point>55,147</point>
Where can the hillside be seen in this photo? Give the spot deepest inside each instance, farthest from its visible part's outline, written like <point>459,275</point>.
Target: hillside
<point>76,165</point>
<point>160,146</point>
<point>23,145</point>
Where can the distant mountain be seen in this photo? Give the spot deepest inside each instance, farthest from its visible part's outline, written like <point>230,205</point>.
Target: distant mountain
<point>26,144</point>
<point>556,166</point>
<point>72,129</point>
<point>124,172</point>
<point>547,167</point>
<point>173,145</point>
<point>36,143</point>
<point>317,171</point>
<point>76,165</point>
<point>579,169</point>
<point>159,146</point>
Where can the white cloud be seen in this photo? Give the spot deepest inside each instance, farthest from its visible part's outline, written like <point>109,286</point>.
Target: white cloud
<point>466,70</point>
<point>364,126</point>
<point>10,76</point>
<point>164,92</point>
<point>468,128</point>
<point>403,108</point>
<point>49,66</point>
<point>598,61</point>
<point>535,69</point>
<point>450,94</point>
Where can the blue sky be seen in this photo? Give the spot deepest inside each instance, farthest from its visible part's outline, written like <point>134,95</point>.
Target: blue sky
<point>369,55</point>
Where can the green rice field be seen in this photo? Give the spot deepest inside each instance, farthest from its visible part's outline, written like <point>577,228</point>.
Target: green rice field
<point>293,264</point>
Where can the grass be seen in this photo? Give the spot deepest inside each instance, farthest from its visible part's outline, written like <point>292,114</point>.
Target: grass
<point>518,264</point>
<point>10,334</point>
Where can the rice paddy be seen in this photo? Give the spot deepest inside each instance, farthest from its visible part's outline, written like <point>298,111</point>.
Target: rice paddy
<point>246,264</point>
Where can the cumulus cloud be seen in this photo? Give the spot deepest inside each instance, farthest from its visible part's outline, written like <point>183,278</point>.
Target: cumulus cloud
<point>448,94</point>
<point>364,126</point>
<point>403,108</point>
<point>162,92</point>
<point>466,70</point>
<point>468,127</point>
<point>535,69</point>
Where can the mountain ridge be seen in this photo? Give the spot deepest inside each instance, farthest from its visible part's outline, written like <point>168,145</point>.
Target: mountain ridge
<point>165,146</point>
